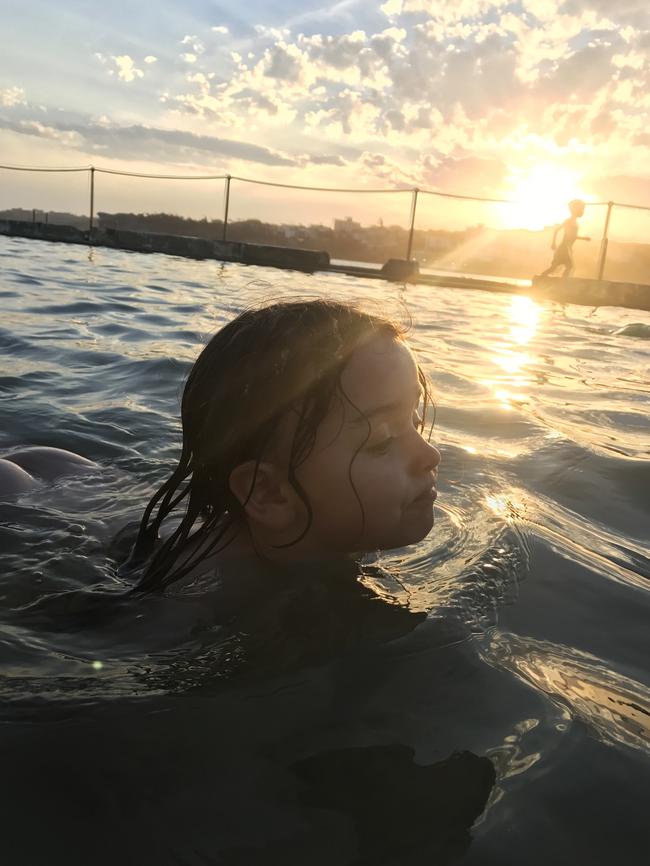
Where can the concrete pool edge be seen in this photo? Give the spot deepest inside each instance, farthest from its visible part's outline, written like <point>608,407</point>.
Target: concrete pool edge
<point>574,290</point>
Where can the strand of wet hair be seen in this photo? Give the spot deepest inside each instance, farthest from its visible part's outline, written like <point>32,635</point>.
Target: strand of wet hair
<point>165,557</point>
<point>164,492</point>
<point>161,572</point>
<point>427,400</point>
<point>164,576</point>
<point>184,469</point>
<point>213,546</point>
<point>364,417</point>
<point>166,501</point>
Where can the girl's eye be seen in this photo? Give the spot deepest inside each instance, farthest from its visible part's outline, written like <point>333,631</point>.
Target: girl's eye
<point>381,447</point>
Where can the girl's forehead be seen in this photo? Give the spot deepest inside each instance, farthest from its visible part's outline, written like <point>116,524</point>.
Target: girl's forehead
<point>383,370</point>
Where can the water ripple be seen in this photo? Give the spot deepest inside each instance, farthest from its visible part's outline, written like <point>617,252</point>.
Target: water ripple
<point>540,546</point>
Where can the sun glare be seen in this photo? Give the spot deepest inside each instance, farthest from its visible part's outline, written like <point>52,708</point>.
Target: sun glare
<point>541,195</point>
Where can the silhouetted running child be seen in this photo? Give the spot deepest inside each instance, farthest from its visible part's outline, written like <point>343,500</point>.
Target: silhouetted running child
<point>563,255</point>
<point>302,440</point>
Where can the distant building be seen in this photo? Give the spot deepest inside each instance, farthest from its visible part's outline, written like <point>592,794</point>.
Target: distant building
<point>347,226</point>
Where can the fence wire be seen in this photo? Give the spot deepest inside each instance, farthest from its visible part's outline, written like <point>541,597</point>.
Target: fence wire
<point>425,233</point>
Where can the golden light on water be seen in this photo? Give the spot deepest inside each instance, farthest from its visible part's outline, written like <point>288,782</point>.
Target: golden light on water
<point>615,707</point>
<point>512,362</point>
<point>524,315</point>
<point>506,506</point>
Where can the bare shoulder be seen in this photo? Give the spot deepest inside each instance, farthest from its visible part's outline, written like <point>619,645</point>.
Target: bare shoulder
<point>26,468</point>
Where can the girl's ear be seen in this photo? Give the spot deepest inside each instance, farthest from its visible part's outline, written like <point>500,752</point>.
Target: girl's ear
<point>263,494</point>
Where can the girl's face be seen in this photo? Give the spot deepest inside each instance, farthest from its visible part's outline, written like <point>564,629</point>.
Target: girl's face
<point>379,493</point>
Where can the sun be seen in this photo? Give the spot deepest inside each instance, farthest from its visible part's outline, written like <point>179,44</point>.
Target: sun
<point>540,194</point>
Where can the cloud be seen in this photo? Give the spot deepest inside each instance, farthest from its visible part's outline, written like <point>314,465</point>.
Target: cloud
<point>149,143</point>
<point>392,8</point>
<point>447,93</point>
<point>67,137</point>
<point>322,159</point>
<point>629,189</point>
<point>283,62</point>
<point>126,68</point>
<point>122,64</point>
<point>348,115</point>
<point>272,33</point>
<point>442,9</point>
<point>196,45</point>
<point>337,52</point>
<point>468,174</point>
<point>580,75</point>
<point>375,167</point>
<point>414,92</point>
<point>623,10</point>
<point>142,137</point>
<point>11,96</point>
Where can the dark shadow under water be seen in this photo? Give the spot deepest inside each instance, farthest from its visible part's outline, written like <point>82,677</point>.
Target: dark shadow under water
<point>263,716</point>
<point>259,748</point>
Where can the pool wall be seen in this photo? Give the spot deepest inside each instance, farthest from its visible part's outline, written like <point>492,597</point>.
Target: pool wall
<point>587,292</point>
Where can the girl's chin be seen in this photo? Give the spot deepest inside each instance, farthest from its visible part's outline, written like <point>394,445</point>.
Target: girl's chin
<point>407,539</point>
<point>424,529</point>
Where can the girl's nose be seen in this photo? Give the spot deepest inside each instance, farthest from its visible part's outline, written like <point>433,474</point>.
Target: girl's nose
<point>428,455</point>
<point>434,456</point>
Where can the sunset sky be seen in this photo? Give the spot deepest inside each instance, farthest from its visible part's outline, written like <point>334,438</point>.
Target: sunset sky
<point>537,100</point>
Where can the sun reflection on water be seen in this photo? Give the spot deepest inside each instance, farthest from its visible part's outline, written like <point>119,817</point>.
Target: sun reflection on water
<point>615,707</point>
<point>524,315</point>
<point>505,505</point>
<point>513,363</point>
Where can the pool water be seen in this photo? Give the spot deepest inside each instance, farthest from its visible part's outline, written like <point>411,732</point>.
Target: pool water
<point>482,697</point>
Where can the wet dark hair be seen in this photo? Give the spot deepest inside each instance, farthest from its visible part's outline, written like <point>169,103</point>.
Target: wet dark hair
<point>262,364</point>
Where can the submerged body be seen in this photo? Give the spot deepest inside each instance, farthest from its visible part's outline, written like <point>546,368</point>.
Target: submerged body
<point>24,470</point>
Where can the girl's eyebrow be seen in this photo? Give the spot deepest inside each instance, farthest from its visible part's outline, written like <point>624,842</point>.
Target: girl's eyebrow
<point>385,408</point>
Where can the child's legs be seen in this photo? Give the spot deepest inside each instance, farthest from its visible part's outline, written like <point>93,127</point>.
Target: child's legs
<point>563,257</point>
<point>569,266</point>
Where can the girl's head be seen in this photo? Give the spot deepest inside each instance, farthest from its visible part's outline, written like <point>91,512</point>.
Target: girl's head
<point>300,427</point>
<point>577,207</point>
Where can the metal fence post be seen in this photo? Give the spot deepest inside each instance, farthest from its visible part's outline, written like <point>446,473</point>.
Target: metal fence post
<point>225,213</point>
<point>414,204</point>
<point>604,242</point>
<point>91,215</point>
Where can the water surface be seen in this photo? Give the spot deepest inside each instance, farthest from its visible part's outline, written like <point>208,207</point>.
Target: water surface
<point>517,631</point>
